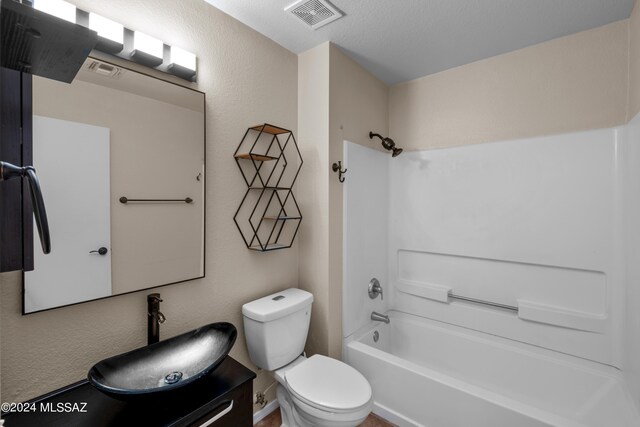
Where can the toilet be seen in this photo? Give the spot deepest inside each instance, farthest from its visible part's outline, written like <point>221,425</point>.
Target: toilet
<point>314,391</point>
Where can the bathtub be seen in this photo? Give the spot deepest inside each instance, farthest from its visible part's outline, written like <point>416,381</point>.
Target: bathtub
<point>432,374</point>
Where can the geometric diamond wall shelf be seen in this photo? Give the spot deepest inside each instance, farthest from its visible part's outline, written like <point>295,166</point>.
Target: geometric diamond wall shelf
<point>268,217</point>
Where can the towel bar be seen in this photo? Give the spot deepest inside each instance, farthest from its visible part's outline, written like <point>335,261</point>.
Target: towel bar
<point>125,200</point>
<point>479,301</point>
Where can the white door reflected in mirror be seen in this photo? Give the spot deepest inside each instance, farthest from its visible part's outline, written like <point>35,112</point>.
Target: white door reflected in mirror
<point>73,166</point>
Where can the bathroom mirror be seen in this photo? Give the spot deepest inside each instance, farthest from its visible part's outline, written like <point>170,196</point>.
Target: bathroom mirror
<point>121,161</point>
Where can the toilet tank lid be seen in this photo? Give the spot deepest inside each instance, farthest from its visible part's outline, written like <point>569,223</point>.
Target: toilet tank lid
<point>277,305</point>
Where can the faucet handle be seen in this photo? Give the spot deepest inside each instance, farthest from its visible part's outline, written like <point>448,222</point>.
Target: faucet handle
<point>375,289</point>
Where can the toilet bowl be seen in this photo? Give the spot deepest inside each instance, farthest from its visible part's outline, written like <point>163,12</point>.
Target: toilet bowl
<point>320,391</point>
<point>314,391</point>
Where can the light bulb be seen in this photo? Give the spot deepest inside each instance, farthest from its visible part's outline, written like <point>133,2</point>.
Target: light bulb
<point>106,28</point>
<point>183,58</point>
<point>58,8</point>
<point>145,43</point>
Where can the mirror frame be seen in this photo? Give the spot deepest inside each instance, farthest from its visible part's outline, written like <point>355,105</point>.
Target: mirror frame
<point>29,107</point>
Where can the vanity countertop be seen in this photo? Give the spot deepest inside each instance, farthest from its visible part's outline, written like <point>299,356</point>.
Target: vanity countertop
<point>62,408</point>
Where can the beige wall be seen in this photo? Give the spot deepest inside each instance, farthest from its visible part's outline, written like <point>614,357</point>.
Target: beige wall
<point>338,100</point>
<point>313,189</point>
<point>248,79</point>
<point>572,83</point>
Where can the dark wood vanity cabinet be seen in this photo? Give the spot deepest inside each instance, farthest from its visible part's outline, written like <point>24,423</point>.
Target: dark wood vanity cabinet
<point>16,214</point>
<point>223,399</point>
<point>235,409</point>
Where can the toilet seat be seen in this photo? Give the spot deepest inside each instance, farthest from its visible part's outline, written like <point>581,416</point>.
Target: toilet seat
<point>328,385</point>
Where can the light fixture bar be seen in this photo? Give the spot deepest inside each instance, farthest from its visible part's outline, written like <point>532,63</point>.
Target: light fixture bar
<point>58,8</point>
<point>136,46</point>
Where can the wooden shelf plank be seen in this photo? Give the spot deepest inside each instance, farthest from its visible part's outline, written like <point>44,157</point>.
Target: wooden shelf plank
<point>273,130</point>
<point>281,218</point>
<point>271,247</point>
<point>256,157</point>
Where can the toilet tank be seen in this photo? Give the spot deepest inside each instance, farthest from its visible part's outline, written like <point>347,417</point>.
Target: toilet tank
<point>276,327</point>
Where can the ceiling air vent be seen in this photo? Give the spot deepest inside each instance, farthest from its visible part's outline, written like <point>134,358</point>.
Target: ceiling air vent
<point>314,13</point>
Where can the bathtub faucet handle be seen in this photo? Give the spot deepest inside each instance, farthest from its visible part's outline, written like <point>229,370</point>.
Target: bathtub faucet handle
<point>375,289</point>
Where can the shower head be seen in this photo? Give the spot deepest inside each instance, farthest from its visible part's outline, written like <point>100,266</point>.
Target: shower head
<point>388,144</point>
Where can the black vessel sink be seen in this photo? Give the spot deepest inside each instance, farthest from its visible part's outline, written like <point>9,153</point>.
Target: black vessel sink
<point>164,367</point>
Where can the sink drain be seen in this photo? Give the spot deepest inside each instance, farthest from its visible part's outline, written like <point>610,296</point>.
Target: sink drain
<point>173,377</point>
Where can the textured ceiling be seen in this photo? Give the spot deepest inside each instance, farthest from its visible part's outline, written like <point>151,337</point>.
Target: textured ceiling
<point>399,40</point>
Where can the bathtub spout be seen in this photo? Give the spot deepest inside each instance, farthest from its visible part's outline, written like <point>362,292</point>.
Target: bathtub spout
<point>379,317</point>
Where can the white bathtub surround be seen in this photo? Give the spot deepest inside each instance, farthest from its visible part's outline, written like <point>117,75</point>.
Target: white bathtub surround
<point>529,223</point>
<point>546,227</point>
<point>630,155</point>
<point>429,373</point>
<point>365,245</point>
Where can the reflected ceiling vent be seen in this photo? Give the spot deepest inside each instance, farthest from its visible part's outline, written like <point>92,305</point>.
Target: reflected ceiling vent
<point>314,13</point>
<point>102,68</point>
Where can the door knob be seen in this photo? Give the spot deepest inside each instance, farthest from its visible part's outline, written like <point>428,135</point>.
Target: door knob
<point>101,251</point>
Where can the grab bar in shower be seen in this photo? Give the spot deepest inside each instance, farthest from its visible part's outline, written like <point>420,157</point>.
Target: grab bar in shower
<point>479,301</point>
<point>563,316</point>
<point>443,294</point>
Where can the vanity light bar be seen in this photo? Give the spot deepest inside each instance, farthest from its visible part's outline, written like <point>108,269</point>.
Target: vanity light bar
<point>124,43</point>
<point>58,8</point>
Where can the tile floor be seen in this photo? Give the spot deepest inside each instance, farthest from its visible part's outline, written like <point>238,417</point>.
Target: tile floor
<point>274,420</point>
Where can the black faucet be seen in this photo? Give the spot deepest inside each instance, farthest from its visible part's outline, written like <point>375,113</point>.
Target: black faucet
<point>154,318</point>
